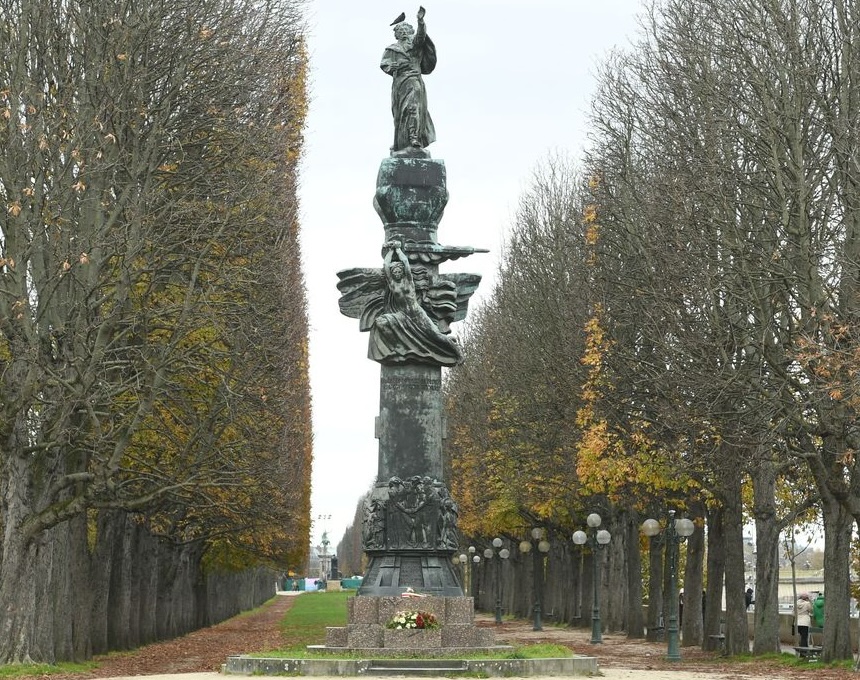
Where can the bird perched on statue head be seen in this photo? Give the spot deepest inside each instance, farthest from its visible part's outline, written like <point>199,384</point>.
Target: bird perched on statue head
<point>399,19</point>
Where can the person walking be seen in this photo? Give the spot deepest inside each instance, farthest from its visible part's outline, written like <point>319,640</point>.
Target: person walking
<point>803,618</point>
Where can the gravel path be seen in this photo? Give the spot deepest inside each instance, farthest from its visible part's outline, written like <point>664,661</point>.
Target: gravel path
<point>199,655</point>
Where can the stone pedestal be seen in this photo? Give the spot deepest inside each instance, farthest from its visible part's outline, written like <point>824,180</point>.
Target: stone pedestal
<point>367,631</point>
<point>411,194</point>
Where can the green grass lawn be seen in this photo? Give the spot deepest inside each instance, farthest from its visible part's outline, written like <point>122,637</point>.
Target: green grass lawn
<point>16,670</point>
<point>305,622</point>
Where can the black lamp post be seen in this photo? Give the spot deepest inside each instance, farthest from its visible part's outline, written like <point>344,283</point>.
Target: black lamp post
<point>503,554</point>
<point>598,539</point>
<point>676,532</point>
<point>472,557</point>
<point>461,560</point>
<point>542,548</point>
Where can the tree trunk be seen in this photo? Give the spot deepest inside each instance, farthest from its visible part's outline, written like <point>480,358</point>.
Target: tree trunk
<point>18,642</point>
<point>656,621</point>
<point>692,626</point>
<point>737,628</point>
<point>62,577</point>
<point>119,593</point>
<point>767,531</point>
<point>613,571</point>
<point>102,565</point>
<point>713,608</point>
<point>21,638</point>
<point>552,580</point>
<point>635,620</point>
<point>588,558</point>
<point>837,582</point>
<point>147,557</point>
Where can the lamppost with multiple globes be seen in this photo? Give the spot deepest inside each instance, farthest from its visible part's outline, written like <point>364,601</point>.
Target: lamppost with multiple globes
<point>475,559</point>
<point>503,554</point>
<point>598,539</point>
<point>468,570</point>
<point>541,549</point>
<point>676,532</point>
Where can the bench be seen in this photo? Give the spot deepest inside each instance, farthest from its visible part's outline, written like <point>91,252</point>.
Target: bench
<point>810,653</point>
<point>656,633</point>
<point>718,641</point>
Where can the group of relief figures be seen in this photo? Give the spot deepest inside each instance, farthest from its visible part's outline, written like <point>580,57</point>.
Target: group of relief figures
<point>414,514</point>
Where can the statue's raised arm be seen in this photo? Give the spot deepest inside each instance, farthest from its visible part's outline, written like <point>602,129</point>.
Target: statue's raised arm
<point>405,61</point>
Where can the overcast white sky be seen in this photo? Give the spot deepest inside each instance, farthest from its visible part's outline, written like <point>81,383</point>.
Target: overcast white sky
<point>512,85</point>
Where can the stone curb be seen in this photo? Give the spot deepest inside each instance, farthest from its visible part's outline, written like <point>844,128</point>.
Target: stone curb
<point>585,666</point>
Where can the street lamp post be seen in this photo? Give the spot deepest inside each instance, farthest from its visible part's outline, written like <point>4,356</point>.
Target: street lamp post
<point>503,554</point>
<point>463,560</point>
<point>472,555</point>
<point>542,548</point>
<point>676,532</point>
<point>598,539</point>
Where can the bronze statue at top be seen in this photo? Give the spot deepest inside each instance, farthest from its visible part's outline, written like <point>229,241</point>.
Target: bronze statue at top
<point>405,61</point>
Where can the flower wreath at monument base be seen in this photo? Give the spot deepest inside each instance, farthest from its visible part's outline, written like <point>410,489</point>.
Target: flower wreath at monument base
<point>413,620</point>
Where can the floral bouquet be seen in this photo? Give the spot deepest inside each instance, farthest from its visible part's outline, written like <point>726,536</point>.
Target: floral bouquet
<point>404,620</point>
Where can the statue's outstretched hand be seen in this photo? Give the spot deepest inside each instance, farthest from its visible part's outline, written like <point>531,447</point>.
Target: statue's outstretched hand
<point>421,12</point>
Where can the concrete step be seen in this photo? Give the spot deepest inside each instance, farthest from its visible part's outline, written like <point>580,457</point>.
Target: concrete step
<point>417,667</point>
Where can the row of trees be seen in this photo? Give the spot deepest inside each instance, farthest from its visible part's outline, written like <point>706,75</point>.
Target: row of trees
<point>677,325</point>
<point>154,400</point>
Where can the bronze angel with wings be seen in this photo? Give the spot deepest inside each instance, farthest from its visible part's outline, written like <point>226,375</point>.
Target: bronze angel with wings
<point>406,309</point>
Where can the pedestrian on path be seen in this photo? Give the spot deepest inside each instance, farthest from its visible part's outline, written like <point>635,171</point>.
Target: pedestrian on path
<point>803,618</point>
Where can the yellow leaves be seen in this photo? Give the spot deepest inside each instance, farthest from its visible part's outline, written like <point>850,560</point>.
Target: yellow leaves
<point>14,208</point>
<point>79,186</point>
<point>592,232</point>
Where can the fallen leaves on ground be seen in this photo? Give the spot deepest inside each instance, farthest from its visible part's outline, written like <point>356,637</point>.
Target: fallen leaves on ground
<point>203,650</point>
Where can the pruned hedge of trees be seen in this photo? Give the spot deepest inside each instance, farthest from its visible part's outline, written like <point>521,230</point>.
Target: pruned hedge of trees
<point>154,405</point>
<point>675,324</point>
